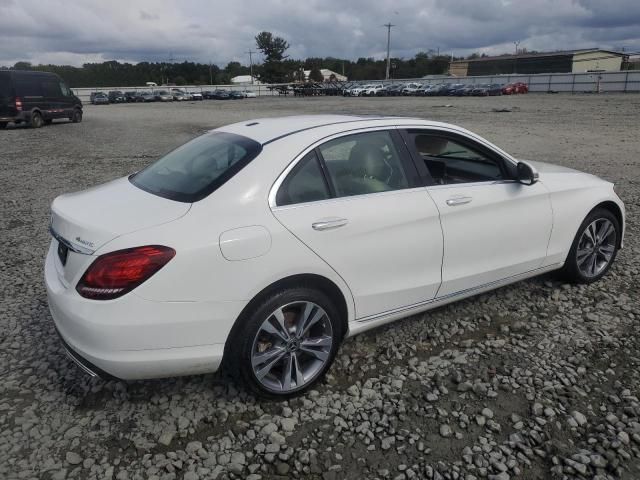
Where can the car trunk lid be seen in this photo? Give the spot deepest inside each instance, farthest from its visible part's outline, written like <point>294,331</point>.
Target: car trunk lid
<point>85,221</point>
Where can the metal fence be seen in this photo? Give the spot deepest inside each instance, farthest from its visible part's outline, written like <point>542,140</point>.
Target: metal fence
<point>625,81</point>
<point>85,93</point>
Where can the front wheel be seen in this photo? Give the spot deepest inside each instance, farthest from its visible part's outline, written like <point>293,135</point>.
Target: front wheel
<point>77,116</point>
<point>287,343</point>
<point>594,247</point>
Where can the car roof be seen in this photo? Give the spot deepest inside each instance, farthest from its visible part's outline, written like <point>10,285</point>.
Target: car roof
<point>267,130</point>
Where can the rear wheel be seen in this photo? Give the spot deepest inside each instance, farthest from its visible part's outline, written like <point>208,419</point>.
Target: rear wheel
<point>77,116</point>
<point>3,125</point>
<point>594,247</point>
<point>36,120</point>
<point>287,343</point>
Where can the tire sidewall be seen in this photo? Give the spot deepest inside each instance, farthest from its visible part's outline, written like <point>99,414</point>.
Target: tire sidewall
<point>571,269</point>
<point>36,120</point>
<point>243,339</point>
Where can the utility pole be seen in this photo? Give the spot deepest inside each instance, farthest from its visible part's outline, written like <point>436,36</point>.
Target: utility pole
<point>388,25</point>
<point>515,60</point>
<point>210,75</point>
<point>251,52</point>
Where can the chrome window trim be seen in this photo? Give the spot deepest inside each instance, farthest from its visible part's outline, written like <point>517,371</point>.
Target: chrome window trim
<point>278,183</point>
<point>349,198</point>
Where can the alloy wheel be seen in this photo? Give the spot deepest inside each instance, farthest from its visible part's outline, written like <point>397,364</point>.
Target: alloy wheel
<point>596,247</point>
<point>292,346</point>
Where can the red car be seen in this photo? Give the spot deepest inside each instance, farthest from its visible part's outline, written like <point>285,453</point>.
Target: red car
<point>513,88</point>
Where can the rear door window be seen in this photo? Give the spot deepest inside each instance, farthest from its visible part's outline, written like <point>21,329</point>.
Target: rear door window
<point>5,85</point>
<point>28,85</point>
<point>197,168</point>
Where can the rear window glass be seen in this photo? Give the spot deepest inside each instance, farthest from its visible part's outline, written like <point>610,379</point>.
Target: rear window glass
<point>197,168</point>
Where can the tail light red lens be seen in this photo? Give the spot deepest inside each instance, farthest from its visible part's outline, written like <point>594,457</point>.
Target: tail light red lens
<point>18,104</point>
<point>113,274</point>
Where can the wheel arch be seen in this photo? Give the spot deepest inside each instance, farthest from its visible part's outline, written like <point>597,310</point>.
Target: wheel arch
<point>319,282</point>
<point>615,209</point>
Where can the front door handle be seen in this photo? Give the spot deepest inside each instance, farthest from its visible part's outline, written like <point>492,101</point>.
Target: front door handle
<point>329,224</point>
<point>452,202</point>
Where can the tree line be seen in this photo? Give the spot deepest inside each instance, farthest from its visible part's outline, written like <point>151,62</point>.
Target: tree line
<point>276,67</point>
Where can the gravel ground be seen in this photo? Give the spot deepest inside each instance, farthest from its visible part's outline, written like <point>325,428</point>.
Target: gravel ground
<point>534,380</point>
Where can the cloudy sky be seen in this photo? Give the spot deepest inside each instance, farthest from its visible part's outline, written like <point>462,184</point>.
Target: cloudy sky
<point>77,31</point>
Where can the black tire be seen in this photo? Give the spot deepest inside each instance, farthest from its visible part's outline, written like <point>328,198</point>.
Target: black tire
<point>3,125</point>
<point>571,271</point>
<point>77,116</point>
<point>36,120</point>
<point>238,357</point>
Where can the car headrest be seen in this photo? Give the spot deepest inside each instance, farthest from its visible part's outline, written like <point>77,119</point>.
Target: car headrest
<point>430,145</point>
<point>368,159</point>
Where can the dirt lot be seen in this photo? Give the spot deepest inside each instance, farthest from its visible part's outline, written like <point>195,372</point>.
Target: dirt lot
<point>535,380</point>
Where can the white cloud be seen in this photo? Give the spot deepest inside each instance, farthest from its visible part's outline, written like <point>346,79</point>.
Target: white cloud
<point>74,31</point>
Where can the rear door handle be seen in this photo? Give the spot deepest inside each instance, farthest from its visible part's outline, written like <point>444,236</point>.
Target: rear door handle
<point>329,224</point>
<point>452,202</point>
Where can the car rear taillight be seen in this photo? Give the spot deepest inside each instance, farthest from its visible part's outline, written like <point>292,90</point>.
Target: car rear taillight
<point>18,104</point>
<point>113,274</point>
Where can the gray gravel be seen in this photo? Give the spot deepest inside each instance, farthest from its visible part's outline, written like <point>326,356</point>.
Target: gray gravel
<point>535,380</point>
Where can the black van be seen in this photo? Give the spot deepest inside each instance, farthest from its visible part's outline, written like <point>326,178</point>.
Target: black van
<point>36,98</point>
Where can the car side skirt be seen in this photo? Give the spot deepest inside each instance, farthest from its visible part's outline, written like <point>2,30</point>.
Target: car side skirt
<point>367,323</point>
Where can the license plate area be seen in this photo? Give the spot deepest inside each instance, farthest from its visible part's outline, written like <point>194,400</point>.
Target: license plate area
<point>63,253</point>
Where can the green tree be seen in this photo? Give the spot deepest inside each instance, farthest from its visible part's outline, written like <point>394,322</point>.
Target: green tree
<point>316,75</point>
<point>273,48</point>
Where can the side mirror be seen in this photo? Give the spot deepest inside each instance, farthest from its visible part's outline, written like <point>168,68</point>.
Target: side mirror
<point>527,175</point>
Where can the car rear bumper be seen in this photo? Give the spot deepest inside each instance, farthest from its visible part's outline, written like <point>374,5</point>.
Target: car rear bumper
<point>134,338</point>
<point>20,117</point>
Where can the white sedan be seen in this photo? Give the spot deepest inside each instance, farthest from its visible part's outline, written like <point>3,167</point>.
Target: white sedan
<point>265,243</point>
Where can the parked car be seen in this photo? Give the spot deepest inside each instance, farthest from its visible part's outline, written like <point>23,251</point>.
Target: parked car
<point>465,90</point>
<point>452,89</point>
<point>132,97</point>
<point>235,95</point>
<point>249,94</point>
<point>99,98</point>
<point>357,90</point>
<point>116,96</point>
<point>36,98</point>
<point>411,88</point>
<point>234,248</point>
<point>514,88</point>
<point>180,95</point>
<point>221,95</point>
<point>207,94</point>
<point>392,90</point>
<point>164,96</point>
<point>440,89</point>
<point>196,96</point>
<point>372,90</point>
<point>487,89</point>
<point>424,90</point>
<point>147,97</point>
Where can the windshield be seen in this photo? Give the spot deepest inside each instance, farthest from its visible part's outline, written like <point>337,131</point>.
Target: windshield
<point>197,168</point>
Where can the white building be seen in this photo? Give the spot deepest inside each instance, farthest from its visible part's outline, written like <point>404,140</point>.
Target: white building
<point>326,75</point>
<point>245,79</point>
